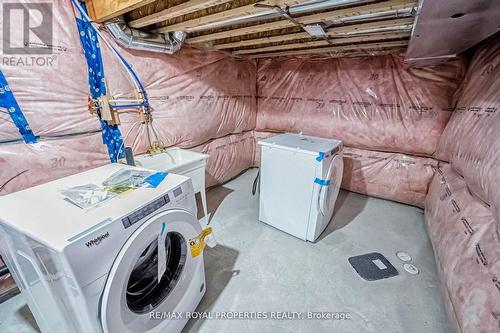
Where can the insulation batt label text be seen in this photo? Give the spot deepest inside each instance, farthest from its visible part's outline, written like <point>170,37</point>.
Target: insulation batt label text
<point>252,315</point>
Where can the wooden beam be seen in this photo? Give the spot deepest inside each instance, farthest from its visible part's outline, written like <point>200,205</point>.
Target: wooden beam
<point>344,54</point>
<point>175,11</point>
<point>337,49</point>
<point>334,15</point>
<point>333,32</point>
<point>227,14</point>
<point>103,10</point>
<point>340,41</point>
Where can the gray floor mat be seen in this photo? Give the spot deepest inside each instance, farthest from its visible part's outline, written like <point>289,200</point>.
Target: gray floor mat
<point>373,266</point>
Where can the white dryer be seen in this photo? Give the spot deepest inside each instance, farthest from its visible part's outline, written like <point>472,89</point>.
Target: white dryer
<point>300,178</point>
<point>94,271</point>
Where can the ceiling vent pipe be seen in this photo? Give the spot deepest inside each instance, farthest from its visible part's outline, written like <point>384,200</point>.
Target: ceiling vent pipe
<point>135,39</point>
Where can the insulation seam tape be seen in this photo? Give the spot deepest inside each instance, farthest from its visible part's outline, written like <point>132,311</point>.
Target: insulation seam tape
<point>111,135</point>
<point>9,102</point>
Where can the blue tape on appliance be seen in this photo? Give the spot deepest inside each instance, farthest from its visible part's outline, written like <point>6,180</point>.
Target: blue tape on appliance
<point>156,178</point>
<point>320,157</point>
<point>322,182</point>
<point>9,102</point>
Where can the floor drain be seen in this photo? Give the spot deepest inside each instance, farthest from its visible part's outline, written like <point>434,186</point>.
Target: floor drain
<point>373,266</point>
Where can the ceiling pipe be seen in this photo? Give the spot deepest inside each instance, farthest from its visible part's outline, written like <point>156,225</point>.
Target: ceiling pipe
<point>389,14</point>
<point>304,8</point>
<point>135,39</point>
<point>403,27</point>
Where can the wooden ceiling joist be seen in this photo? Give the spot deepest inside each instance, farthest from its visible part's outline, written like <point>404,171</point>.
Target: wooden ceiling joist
<point>309,19</point>
<point>334,32</point>
<point>103,10</point>
<point>175,11</point>
<point>341,41</point>
<point>227,14</point>
<point>368,47</point>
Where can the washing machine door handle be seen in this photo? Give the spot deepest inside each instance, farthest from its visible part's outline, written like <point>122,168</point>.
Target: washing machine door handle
<point>323,193</point>
<point>324,197</point>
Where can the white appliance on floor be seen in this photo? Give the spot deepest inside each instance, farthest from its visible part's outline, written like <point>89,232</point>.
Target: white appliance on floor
<point>300,179</point>
<point>94,271</point>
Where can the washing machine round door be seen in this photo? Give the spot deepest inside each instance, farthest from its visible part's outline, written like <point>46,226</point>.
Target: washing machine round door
<point>136,287</point>
<point>329,194</point>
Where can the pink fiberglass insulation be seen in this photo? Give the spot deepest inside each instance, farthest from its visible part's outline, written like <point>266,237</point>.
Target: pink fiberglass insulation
<point>471,141</point>
<point>229,156</point>
<point>196,95</point>
<point>34,164</point>
<point>392,176</point>
<point>467,248</point>
<point>53,89</point>
<point>31,165</point>
<point>369,102</point>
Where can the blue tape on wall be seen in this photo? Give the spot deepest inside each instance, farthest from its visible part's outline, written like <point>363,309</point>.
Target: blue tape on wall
<point>9,102</point>
<point>322,182</point>
<point>111,135</point>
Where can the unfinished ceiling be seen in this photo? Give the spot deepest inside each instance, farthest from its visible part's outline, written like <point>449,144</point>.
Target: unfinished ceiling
<point>272,28</point>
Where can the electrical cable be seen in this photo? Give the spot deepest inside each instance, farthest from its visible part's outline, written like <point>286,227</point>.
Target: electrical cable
<point>11,179</point>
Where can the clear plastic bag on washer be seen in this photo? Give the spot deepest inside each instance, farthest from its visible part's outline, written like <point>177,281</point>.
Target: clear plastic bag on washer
<point>126,179</point>
<point>86,196</point>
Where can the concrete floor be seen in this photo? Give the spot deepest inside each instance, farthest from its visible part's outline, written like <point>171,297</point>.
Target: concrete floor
<point>257,268</point>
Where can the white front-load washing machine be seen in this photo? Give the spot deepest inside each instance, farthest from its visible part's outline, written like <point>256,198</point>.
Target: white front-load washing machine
<point>99,270</point>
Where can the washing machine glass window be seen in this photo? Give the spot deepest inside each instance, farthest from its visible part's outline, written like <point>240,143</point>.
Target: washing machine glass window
<point>144,291</point>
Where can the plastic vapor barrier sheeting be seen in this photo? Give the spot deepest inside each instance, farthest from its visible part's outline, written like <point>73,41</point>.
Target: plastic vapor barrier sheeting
<point>34,164</point>
<point>471,141</point>
<point>229,156</point>
<point>392,176</point>
<point>196,96</point>
<point>463,233</point>
<point>370,102</point>
<point>51,89</point>
<point>193,101</point>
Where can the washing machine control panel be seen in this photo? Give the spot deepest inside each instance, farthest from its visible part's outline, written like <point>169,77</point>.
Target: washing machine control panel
<point>139,214</point>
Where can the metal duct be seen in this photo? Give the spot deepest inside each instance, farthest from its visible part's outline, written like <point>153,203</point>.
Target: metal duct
<point>293,10</point>
<point>139,40</point>
<point>444,29</point>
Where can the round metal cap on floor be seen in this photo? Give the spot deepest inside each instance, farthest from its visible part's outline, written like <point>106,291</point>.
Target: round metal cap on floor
<point>403,256</point>
<point>411,269</point>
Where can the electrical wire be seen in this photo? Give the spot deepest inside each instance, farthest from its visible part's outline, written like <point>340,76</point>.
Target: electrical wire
<point>11,179</point>
<point>128,133</point>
